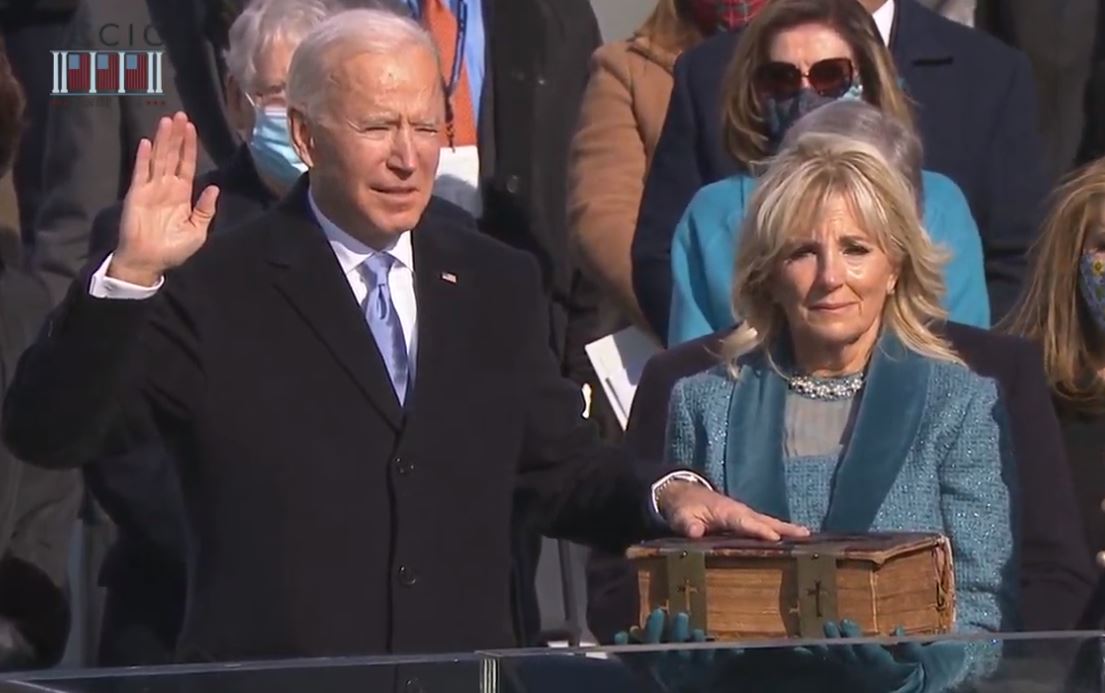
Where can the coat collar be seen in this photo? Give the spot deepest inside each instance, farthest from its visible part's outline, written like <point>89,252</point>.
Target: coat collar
<point>889,415</point>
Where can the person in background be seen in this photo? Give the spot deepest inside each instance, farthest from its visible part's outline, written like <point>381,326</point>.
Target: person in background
<point>620,120</point>
<point>976,115</point>
<point>836,381</point>
<point>145,571</point>
<point>31,29</point>
<point>1058,38</point>
<point>795,57</point>
<point>38,507</point>
<point>1063,309</point>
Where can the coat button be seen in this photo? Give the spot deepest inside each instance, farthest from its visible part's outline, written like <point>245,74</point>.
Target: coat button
<point>407,576</point>
<point>513,185</point>
<point>403,466</point>
<point>413,686</point>
<point>1100,559</point>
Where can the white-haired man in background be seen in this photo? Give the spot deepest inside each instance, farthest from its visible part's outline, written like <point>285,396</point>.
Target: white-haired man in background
<point>358,385</point>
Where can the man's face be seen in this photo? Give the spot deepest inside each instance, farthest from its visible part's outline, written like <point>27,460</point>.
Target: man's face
<point>374,151</point>
<point>267,89</point>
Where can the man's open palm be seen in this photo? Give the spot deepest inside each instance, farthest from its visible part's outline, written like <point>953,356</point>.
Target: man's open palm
<point>160,228</point>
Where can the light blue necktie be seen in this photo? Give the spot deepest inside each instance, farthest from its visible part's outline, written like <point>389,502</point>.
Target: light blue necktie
<point>384,321</point>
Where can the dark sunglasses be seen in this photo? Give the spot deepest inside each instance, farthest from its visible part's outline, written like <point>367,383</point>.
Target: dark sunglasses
<point>830,78</point>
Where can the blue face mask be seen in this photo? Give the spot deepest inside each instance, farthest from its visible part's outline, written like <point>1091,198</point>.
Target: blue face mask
<point>1091,282</point>
<point>271,146</point>
<point>781,114</point>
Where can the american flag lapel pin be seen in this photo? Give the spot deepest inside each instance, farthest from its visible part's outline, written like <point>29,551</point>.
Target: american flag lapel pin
<point>449,277</point>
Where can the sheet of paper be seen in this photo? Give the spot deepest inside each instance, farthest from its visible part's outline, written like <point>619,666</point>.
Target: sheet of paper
<point>458,178</point>
<point>618,360</point>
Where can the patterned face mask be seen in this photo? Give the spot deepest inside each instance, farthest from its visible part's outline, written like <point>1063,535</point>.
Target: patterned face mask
<point>1091,282</point>
<point>723,15</point>
<point>781,114</point>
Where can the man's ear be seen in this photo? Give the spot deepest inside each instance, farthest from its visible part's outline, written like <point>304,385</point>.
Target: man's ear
<point>302,138</point>
<point>239,110</point>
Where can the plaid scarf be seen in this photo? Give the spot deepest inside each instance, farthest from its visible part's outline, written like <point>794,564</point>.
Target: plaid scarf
<point>724,15</point>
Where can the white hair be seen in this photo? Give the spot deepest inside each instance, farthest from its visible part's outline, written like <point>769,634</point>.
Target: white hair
<point>265,22</point>
<point>372,31</point>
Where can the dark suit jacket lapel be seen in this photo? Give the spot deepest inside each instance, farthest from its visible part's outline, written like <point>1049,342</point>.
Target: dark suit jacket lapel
<point>310,278</point>
<point>443,283</point>
<point>180,25</point>
<point>923,59</point>
<point>886,426</point>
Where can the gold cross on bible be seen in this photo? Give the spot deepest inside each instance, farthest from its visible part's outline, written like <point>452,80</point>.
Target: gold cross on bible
<point>816,592</point>
<point>688,590</point>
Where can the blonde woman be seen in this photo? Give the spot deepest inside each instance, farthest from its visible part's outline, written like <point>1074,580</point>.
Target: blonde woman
<point>837,407</point>
<point>1063,309</point>
<point>620,121</point>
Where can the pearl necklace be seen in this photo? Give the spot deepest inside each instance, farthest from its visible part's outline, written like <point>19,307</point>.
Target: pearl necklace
<point>828,389</point>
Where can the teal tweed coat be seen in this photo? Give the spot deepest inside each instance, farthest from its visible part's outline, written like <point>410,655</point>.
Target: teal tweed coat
<point>929,451</point>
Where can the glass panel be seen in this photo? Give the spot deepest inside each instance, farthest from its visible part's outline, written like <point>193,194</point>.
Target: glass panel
<point>1020,662</point>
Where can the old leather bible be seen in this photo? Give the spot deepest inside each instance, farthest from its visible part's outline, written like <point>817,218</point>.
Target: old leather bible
<point>741,588</point>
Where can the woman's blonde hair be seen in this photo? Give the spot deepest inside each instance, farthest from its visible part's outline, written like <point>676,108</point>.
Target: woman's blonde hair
<point>1050,310</point>
<point>744,124</point>
<point>670,28</point>
<point>790,199</point>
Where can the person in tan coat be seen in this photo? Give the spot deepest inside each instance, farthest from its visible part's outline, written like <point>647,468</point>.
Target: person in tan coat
<point>620,121</point>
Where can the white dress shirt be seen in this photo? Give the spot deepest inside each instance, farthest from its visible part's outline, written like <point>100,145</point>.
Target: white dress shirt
<point>350,254</point>
<point>884,19</point>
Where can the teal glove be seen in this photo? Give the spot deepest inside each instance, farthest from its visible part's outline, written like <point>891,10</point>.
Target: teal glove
<point>679,670</point>
<point>871,667</point>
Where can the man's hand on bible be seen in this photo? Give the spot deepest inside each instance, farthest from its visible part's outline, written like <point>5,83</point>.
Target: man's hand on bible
<point>693,510</point>
<point>160,228</point>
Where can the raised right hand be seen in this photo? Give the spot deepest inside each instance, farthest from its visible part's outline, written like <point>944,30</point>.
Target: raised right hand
<point>160,228</point>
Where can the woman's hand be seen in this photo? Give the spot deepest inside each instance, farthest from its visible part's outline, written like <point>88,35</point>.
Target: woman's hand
<point>688,670</point>
<point>873,667</point>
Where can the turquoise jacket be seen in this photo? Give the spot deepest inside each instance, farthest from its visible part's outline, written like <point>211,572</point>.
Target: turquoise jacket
<point>929,452</point>
<point>705,246</point>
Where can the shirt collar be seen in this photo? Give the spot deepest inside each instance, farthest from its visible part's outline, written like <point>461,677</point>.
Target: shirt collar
<point>352,253</point>
<point>884,19</point>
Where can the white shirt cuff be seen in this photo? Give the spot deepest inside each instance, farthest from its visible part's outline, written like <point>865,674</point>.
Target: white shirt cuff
<point>103,286</point>
<point>682,475</point>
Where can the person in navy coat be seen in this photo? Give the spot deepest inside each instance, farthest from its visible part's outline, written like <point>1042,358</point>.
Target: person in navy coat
<point>976,111</point>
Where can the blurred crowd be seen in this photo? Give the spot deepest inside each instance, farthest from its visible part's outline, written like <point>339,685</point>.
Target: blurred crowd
<point>868,237</point>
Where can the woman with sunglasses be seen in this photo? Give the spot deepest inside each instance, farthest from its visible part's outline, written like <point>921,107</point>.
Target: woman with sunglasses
<point>794,57</point>
<point>620,121</point>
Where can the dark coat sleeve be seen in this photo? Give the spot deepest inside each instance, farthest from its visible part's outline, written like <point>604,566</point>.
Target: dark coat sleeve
<point>1015,189</point>
<point>101,366</point>
<point>1056,575</point>
<point>673,179</point>
<point>572,485</point>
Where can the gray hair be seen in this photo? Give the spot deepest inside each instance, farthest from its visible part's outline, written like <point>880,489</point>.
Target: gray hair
<point>263,23</point>
<point>857,120</point>
<point>373,31</point>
